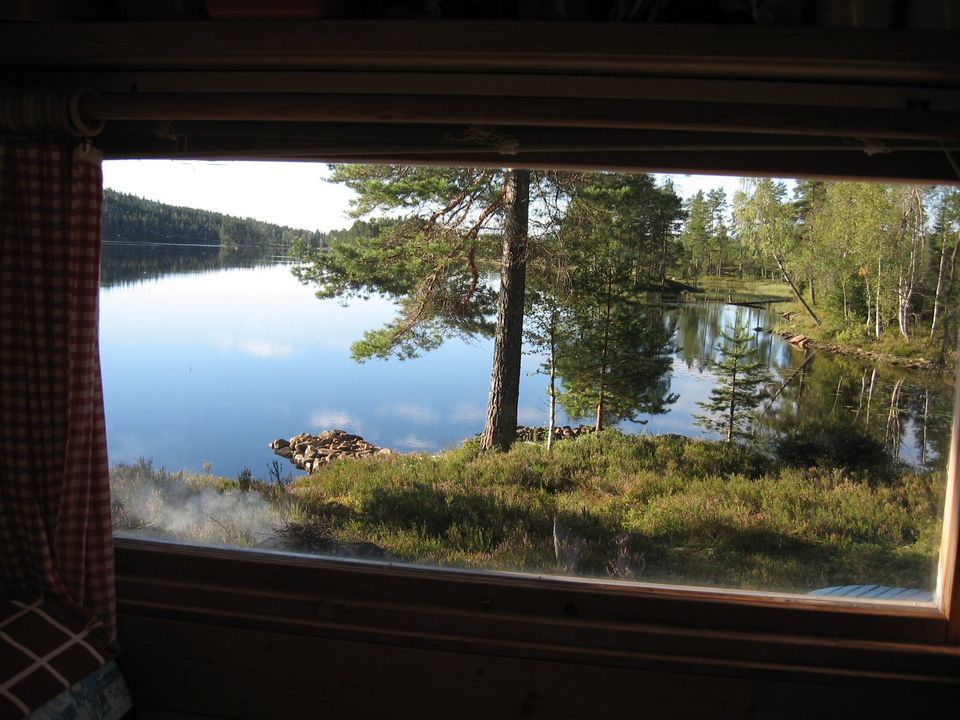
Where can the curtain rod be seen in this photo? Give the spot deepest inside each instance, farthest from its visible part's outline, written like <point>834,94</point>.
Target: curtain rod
<point>39,110</point>
<point>597,113</point>
<point>28,110</point>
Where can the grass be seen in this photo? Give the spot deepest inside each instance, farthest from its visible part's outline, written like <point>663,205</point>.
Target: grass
<point>658,509</point>
<point>661,509</point>
<point>755,286</point>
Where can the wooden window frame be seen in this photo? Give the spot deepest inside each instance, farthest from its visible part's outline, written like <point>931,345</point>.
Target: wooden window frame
<point>225,90</point>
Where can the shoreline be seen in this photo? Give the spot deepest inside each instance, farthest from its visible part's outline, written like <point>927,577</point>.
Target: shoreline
<point>805,342</point>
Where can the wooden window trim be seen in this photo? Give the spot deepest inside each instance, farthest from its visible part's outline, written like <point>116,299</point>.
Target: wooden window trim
<point>552,619</point>
<point>911,79</point>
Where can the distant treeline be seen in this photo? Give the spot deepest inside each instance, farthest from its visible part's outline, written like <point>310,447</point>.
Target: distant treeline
<point>130,219</point>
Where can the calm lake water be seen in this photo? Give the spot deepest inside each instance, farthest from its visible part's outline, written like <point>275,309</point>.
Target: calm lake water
<point>207,365</point>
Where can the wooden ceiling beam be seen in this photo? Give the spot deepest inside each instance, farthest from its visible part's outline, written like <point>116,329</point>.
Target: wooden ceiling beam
<point>717,99</point>
<point>909,124</point>
<point>660,151</point>
<point>742,52</point>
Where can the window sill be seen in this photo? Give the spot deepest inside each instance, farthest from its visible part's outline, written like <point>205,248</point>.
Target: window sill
<point>594,623</point>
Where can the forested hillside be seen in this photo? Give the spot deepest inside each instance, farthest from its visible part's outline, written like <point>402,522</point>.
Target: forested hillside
<point>130,219</point>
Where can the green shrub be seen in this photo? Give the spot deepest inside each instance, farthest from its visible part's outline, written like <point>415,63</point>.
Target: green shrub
<point>835,445</point>
<point>855,334</point>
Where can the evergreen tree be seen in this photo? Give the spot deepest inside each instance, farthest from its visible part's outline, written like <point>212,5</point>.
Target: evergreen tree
<point>695,237</point>
<point>614,357</point>
<point>739,382</point>
<point>444,221</point>
<point>719,236</point>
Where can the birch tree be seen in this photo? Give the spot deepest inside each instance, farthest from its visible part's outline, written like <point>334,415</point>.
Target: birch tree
<point>763,219</point>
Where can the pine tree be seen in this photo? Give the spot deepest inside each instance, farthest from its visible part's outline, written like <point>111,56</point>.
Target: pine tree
<point>444,221</point>
<point>739,384</point>
<point>717,204</point>
<point>696,237</point>
<point>614,357</point>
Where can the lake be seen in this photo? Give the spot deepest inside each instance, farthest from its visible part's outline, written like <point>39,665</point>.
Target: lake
<point>204,365</point>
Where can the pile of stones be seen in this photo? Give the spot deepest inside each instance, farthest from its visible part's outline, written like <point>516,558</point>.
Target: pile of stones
<point>539,434</point>
<point>311,452</point>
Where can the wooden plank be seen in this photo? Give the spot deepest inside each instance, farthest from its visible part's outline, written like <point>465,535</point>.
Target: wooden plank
<point>680,50</point>
<point>189,578</point>
<point>145,713</point>
<point>629,151</point>
<point>537,112</point>
<point>677,89</point>
<point>249,674</point>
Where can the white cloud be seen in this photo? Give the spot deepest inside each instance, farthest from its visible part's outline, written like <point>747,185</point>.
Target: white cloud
<point>417,414</point>
<point>414,443</point>
<point>265,349</point>
<point>336,419</point>
<point>467,413</point>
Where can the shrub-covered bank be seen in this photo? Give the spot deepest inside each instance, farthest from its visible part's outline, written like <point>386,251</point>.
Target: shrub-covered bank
<point>660,509</point>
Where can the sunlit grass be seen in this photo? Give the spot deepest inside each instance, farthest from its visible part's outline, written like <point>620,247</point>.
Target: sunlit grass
<point>663,509</point>
<point>682,511</point>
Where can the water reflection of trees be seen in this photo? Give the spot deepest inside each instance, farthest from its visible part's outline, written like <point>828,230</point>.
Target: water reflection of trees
<point>127,263</point>
<point>908,413</point>
<point>614,362</point>
<point>123,263</point>
<point>700,324</point>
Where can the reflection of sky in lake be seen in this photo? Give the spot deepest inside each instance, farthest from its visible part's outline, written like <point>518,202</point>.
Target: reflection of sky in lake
<point>214,365</point>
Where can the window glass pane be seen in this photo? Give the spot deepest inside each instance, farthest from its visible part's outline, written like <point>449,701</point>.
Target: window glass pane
<point>751,381</point>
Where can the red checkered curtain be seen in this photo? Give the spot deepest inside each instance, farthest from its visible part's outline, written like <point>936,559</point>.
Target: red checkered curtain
<point>55,526</point>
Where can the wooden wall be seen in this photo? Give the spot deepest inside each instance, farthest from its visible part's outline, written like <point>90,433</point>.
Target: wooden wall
<point>743,100</point>
<point>241,635</point>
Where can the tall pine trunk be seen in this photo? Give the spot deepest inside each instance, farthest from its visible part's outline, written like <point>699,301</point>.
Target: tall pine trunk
<point>604,354</point>
<point>500,429</point>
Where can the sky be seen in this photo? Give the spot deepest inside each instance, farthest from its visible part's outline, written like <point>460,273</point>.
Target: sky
<point>295,194</point>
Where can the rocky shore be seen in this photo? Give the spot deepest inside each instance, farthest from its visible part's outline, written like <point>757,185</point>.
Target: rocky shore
<point>309,452</point>
<point>805,343</point>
